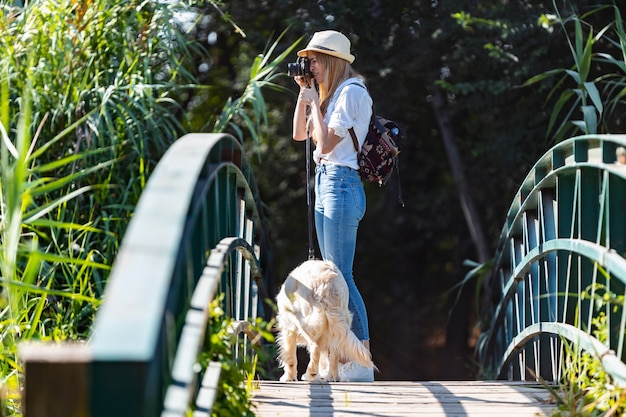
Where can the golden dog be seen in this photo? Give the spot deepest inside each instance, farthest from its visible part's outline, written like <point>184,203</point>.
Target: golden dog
<point>313,312</point>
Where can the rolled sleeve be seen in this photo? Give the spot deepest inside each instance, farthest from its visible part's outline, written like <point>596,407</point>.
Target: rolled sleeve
<point>348,103</point>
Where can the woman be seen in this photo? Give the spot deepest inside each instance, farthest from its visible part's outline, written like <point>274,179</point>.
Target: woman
<point>343,102</point>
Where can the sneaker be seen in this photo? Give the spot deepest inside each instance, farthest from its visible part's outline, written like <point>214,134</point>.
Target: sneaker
<point>322,375</point>
<point>351,372</point>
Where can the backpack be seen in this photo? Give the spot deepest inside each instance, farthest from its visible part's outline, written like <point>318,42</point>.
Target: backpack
<point>378,156</point>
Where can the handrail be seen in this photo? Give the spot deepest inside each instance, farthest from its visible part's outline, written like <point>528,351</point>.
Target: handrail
<point>198,222</point>
<point>183,390</point>
<point>560,256</point>
<point>566,331</point>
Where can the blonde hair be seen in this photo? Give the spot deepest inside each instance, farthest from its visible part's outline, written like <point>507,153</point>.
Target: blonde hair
<point>337,71</point>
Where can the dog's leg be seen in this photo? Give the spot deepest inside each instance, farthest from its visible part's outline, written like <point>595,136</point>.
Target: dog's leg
<point>312,369</point>
<point>324,363</point>
<point>288,356</point>
<point>333,365</point>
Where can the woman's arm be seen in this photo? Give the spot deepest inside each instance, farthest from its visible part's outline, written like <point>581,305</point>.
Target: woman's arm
<point>325,138</point>
<point>299,114</point>
<point>299,121</point>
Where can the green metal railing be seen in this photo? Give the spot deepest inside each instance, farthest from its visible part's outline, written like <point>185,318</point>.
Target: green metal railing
<point>197,230</point>
<point>560,269</point>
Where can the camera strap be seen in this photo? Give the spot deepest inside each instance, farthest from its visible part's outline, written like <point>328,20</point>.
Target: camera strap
<point>309,199</point>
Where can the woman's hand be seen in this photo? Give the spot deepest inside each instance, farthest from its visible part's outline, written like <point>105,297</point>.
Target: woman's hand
<point>308,95</point>
<point>301,81</point>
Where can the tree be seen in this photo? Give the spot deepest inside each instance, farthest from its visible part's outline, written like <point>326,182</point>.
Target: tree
<point>475,55</point>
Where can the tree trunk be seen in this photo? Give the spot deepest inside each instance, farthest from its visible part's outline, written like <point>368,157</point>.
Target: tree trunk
<point>474,224</point>
<point>457,350</point>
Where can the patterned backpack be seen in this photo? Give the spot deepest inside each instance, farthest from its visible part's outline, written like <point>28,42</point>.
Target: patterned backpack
<point>378,156</point>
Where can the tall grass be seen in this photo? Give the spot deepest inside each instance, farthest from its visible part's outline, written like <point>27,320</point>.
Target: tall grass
<point>87,107</point>
<point>585,389</point>
<point>46,261</point>
<point>86,113</point>
<point>588,97</point>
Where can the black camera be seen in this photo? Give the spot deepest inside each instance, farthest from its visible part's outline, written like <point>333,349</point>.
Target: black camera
<point>300,68</point>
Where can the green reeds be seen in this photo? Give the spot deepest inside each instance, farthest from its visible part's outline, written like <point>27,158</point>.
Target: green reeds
<point>84,117</point>
<point>587,100</point>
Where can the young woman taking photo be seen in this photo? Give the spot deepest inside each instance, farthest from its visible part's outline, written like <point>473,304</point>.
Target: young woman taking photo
<point>339,105</point>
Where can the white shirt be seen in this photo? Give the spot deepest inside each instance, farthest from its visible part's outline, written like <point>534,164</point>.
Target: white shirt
<point>351,106</point>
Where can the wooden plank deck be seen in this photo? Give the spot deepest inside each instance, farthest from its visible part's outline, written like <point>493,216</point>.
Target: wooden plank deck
<point>402,398</point>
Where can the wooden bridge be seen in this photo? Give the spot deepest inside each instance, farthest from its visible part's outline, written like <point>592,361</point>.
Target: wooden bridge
<point>199,230</point>
<point>403,398</point>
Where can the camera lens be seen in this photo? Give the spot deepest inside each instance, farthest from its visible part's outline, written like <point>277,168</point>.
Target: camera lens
<point>293,69</point>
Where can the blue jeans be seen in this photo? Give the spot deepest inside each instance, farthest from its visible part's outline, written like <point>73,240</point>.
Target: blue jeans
<point>339,207</point>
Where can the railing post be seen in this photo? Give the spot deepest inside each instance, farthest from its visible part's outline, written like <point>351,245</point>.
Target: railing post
<point>60,375</point>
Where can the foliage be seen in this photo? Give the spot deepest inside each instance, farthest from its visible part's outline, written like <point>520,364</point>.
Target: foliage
<point>595,101</point>
<point>49,264</point>
<point>585,389</point>
<point>91,95</point>
<point>238,373</point>
<point>263,73</point>
<point>85,115</point>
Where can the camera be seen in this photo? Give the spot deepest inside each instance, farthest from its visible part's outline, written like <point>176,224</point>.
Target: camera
<point>300,68</point>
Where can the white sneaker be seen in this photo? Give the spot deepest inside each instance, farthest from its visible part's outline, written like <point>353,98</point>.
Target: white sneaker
<point>351,372</point>
<point>321,375</point>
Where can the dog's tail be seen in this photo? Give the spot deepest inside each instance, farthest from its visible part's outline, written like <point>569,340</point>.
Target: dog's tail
<point>344,342</point>
<point>332,292</point>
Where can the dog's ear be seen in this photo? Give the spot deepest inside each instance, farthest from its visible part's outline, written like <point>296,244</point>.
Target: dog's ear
<point>327,273</point>
<point>324,288</point>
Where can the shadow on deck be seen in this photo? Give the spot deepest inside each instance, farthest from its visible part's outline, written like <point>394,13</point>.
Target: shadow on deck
<point>403,398</point>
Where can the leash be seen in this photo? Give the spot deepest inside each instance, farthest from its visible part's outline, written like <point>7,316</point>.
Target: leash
<point>308,185</point>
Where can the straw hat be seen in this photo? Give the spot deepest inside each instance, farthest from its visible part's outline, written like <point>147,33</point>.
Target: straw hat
<point>330,42</point>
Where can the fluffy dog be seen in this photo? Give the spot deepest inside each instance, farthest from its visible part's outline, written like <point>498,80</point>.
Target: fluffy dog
<point>313,312</point>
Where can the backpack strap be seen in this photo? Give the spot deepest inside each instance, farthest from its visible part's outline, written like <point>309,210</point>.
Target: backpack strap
<point>354,141</point>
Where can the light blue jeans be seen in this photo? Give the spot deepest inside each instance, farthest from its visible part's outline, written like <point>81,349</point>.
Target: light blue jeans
<point>339,207</point>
